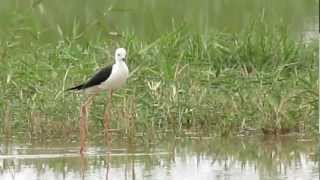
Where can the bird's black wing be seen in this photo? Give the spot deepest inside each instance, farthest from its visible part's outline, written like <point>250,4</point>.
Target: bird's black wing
<point>101,76</point>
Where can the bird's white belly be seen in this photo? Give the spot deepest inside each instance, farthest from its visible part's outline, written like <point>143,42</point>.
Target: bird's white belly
<point>118,77</point>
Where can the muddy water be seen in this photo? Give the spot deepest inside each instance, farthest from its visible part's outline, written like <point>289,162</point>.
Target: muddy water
<point>235,158</point>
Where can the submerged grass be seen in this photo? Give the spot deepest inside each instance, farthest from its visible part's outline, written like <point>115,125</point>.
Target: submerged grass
<point>261,79</point>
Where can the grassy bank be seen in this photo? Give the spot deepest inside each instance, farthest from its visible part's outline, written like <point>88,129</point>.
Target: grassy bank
<point>261,79</point>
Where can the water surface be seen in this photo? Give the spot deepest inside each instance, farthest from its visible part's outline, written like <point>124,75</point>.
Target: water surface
<point>235,158</point>
<point>148,19</point>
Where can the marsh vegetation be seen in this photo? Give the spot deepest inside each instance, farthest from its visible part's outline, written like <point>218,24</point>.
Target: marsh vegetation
<point>259,79</point>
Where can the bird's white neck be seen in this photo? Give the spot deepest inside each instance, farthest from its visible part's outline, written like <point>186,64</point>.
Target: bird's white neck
<point>119,61</point>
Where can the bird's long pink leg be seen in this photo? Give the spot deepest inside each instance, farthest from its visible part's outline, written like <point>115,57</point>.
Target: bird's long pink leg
<point>83,112</point>
<point>83,123</point>
<point>107,117</point>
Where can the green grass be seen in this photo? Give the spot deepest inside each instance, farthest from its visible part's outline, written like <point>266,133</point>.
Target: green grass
<point>219,84</point>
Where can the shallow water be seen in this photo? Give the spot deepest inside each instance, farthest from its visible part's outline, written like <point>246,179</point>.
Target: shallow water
<point>149,19</point>
<point>187,158</point>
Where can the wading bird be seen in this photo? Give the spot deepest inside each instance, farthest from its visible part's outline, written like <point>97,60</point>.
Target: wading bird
<point>108,78</point>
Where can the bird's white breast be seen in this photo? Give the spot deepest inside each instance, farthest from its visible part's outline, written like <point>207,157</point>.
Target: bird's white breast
<point>118,76</point>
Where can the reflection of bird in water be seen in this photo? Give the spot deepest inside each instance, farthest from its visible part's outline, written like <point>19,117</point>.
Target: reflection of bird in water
<point>108,78</point>
<point>108,158</point>
<point>83,165</point>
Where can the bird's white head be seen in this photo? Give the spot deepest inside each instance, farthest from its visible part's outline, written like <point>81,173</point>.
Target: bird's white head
<point>120,54</point>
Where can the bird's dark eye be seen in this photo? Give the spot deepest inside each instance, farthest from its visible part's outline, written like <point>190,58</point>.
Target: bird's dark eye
<point>118,54</point>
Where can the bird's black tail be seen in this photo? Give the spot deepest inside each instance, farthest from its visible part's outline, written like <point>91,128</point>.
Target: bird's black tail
<point>75,88</point>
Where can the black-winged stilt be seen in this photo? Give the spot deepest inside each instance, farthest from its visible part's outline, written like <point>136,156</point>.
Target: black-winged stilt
<point>108,78</point>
